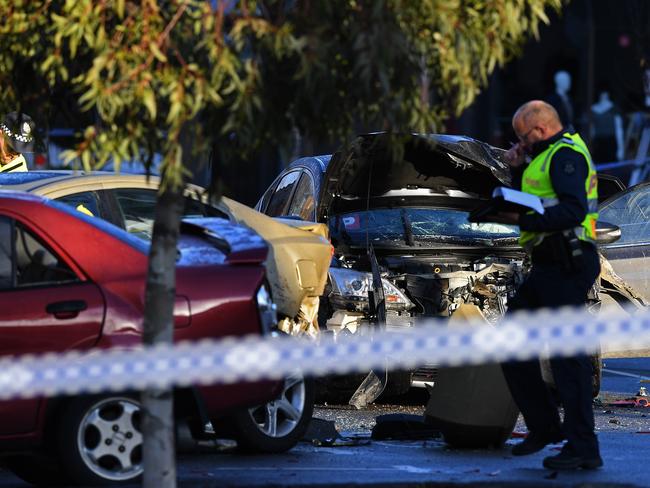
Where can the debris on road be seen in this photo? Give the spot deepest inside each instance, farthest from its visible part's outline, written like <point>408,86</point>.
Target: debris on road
<point>320,429</point>
<point>400,426</point>
<point>341,442</point>
<point>633,402</point>
<point>323,433</point>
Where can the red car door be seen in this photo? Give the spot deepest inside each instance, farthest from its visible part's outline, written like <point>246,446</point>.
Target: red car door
<point>45,307</point>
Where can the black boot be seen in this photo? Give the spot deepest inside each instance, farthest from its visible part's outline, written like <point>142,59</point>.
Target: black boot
<point>536,442</point>
<point>567,459</point>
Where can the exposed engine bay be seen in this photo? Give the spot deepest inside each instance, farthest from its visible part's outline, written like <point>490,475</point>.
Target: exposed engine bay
<point>416,287</point>
<point>419,287</point>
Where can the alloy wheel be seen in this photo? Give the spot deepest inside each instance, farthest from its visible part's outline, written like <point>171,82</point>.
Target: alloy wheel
<point>280,417</point>
<point>109,439</point>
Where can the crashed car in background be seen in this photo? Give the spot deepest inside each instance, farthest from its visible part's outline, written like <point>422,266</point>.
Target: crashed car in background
<point>407,219</point>
<point>629,256</point>
<point>398,220</point>
<point>299,251</point>
<point>73,282</point>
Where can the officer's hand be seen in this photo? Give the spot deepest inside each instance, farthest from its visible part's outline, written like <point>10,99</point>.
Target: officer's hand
<point>515,156</point>
<point>510,218</point>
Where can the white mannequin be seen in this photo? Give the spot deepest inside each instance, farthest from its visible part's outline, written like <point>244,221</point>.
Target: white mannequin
<point>604,104</point>
<point>560,99</point>
<point>562,83</point>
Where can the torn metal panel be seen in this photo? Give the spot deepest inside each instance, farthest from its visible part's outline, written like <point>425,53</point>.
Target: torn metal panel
<point>369,389</point>
<point>306,321</point>
<point>610,281</point>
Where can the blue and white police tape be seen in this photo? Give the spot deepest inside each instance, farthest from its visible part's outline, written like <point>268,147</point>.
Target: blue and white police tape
<point>519,336</point>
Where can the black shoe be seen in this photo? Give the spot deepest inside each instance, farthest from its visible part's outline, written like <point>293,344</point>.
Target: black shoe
<point>569,460</point>
<point>536,442</point>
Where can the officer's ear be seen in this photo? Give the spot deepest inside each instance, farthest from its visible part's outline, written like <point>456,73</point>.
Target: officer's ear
<point>542,132</point>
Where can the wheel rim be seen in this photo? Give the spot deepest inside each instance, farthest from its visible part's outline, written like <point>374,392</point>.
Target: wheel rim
<point>280,417</point>
<point>109,439</point>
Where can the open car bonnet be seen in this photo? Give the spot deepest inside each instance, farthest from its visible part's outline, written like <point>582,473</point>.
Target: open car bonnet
<point>416,168</point>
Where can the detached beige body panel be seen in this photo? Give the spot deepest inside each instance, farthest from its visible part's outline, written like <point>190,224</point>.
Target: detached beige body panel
<point>298,259</point>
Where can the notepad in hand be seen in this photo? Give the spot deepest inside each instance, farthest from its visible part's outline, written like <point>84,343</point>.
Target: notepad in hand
<point>505,200</point>
<point>520,198</point>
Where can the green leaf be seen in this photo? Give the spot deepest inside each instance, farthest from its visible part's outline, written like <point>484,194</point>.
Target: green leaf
<point>157,52</point>
<point>149,100</point>
<point>119,8</point>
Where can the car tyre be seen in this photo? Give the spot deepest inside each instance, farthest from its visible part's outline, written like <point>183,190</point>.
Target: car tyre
<point>37,469</point>
<point>278,425</point>
<point>100,440</point>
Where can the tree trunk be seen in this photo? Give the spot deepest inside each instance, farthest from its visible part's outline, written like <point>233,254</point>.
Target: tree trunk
<point>158,421</point>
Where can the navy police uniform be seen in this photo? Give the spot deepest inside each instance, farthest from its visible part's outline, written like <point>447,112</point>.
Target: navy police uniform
<point>555,281</point>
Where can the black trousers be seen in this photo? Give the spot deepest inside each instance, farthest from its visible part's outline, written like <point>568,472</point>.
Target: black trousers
<point>551,285</point>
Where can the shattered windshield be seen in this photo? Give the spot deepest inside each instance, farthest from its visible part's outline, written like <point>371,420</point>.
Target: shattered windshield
<point>416,227</point>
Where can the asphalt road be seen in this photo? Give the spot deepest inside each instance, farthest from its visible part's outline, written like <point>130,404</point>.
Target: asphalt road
<point>624,435</point>
<point>624,375</point>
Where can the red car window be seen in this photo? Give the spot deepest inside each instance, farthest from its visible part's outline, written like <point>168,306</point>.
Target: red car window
<point>35,264</point>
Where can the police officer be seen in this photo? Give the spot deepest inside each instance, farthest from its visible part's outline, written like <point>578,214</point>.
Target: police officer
<point>16,137</point>
<point>565,264</point>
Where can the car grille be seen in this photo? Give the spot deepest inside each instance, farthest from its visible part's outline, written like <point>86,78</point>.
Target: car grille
<point>427,373</point>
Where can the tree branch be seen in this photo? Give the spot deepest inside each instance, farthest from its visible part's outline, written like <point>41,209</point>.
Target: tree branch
<point>147,63</point>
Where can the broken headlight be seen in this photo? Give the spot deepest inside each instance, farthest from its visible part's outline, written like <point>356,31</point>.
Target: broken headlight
<point>350,290</point>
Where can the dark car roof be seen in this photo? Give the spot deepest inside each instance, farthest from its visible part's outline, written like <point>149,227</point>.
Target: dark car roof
<point>34,177</point>
<point>317,164</point>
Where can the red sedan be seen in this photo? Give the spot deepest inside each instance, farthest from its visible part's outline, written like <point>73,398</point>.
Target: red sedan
<point>68,281</point>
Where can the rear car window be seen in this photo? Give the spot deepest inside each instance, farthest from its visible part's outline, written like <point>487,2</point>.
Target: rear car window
<point>7,240</point>
<point>36,264</point>
<point>303,204</point>
<point>138,208</point>
<point>280,199</point>
<point>103,225</point>
<point>26,261</point>
<point>86,202</point>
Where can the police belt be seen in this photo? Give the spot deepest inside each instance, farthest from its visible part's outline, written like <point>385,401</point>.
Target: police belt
<point>555,250</point>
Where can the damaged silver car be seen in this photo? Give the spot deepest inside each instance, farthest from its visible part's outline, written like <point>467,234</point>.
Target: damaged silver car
<point>404,248</point>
